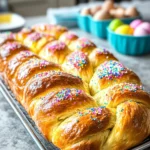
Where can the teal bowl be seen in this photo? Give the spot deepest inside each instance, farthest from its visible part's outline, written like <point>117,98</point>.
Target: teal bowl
<point>98,28</point>
<point>129,45</point>
<point>84,22</point>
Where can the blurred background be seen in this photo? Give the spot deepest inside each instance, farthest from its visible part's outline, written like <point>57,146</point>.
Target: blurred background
<point>39,7</point>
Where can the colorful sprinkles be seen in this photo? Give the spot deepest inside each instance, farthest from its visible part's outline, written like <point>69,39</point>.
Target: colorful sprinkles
<point>111,69</point>
<point>43,27</point>
<point>67,94</point>
<point>9,46</point>
<point>56,46</point>
<point>35,85</point>
<point>60,28</point>
<point>6,36</point>
<point>70,36</point>
<point>83,43</point>
<point>130,87</point>
<point>35,36</point>
<point>93,112</point>
<point>23,72</point>
<point>77,60</point>
<point>102,51</point>
<point>47,74</point>
<point>26,30</point>
<point>21,55</point>
<point>48,27</point>
<point>25,53</point>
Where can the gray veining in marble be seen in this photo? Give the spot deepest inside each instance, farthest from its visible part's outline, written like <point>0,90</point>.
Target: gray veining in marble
<point>13,136</point>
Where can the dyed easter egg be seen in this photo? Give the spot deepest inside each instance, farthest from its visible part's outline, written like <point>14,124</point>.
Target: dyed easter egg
<point>140,32</point>
<point>115,24</point>
<point>143,29</point>
<point>135,23</point>
<point>124,29</point>
<point>146,26</point>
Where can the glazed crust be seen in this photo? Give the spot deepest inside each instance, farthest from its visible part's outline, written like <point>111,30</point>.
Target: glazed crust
<point>36,41</point>
<point>50,80</point>
<point>16,61</point>
<point>56,106</point>
<point>84,45</point>
<point>30,68</point>
<point>8,50</point>
<point>83,124</point>
<point>110,73</point>
<point>134,119</point>
<point>99,56</point>
<point>77,63</point>
<point>55,51</point>
<point>55,30</point>
<point>116,116</point>
<point>20,36</point>
<point>6,37</point>
<point>123,92</point>
<point>68,38</point>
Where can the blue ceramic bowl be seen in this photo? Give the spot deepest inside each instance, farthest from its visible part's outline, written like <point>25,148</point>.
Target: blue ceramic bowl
<point>98,28</point>
<point>129,45</point>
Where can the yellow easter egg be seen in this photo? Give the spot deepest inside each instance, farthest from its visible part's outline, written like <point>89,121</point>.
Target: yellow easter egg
<point>124,29</point>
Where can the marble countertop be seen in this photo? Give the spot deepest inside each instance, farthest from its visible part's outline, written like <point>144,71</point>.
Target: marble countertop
<point>13,136</point>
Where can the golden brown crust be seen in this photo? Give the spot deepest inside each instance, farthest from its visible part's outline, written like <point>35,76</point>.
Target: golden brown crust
<point>132,126</point>
<point>16,61</point>
<point>52,80</point>
<point>123,92</point>
<point>110,73</point>
<point>36,41</point>
<point>8,50</point>
<point>20,36</point>
<point>93,142</point>
<point>32,67</point>
<point>55,103</point>
<point>58,30</point>
<point>99,56</point>
<point>42,27</point>
<point>68,37</point>
<point>6,37</point>
<point>77,63</point>
<point>55,51</point>
<point>55,30</point>
<point>83,123</point>
<point>83,44</point>
<point>56,106</point>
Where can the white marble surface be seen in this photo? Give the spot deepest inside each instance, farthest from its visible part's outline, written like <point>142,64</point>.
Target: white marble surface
<point>13,136</point>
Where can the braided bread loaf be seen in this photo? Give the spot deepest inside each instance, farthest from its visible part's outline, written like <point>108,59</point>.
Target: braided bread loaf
<point>115,117</point>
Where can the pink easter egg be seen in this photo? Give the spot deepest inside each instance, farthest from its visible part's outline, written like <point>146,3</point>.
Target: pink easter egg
<point>146,26</point>
<point>139,31</point>
<point>135,23</point>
